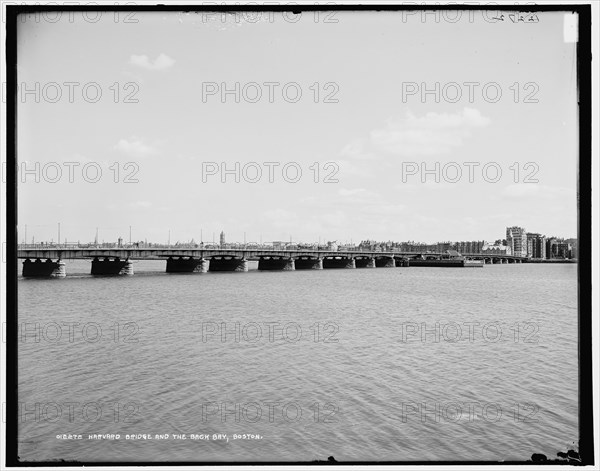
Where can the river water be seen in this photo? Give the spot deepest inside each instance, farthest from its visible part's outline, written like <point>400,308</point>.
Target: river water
<point>394,364</point>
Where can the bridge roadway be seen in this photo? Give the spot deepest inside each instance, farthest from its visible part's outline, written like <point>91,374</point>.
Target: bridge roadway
<point>49,261</point>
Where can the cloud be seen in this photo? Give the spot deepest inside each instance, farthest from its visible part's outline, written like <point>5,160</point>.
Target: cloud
<point>160,63</point>
<point>134,147</point>
<point>431,134</point>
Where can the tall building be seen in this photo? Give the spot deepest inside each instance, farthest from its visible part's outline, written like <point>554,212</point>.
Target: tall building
<point>536,245</point>
<point>222,238</point>
<point>516,239</point>
<point>558,248</point>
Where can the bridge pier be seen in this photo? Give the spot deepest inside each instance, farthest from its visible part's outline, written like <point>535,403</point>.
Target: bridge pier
<point>401,262</point>
<point>385,262</point>
<point>187,265</point>
<point>276,263</point>
<point>111,267</point>
<point>46,269</point>
<point>128,268</point>
<point>225,263</point>
<point>341,262</point>
<point>308,263</point>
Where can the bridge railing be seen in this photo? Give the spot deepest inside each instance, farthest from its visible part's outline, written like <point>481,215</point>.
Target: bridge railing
<point>238,248</point>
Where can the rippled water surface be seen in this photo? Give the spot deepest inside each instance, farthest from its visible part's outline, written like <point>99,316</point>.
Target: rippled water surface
<point>365,364</point>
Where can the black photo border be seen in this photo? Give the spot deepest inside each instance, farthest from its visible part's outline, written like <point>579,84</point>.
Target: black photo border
<point>584,84</point>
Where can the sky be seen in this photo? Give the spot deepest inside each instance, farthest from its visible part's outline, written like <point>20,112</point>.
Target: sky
<point>345,126</point>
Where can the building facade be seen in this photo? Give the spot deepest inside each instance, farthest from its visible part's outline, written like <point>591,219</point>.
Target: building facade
<point>496,249</point>
<point>558,248</point>
<point>516,239</point>
<point>469,247</point>
<point>536,245</point>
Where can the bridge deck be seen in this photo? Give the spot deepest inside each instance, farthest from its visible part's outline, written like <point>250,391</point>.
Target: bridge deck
<point>163,253</point>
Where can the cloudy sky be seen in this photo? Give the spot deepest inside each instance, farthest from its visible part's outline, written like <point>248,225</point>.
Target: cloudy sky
<point>358,125</point>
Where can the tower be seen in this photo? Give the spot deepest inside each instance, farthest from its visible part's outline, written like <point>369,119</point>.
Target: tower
<point>516,239</point>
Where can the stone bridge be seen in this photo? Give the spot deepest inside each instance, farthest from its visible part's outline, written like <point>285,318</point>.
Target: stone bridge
<point>48,261</point>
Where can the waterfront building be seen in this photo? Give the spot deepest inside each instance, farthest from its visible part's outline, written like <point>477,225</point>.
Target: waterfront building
<point>470,247</point>
<point>516,239</point>
<point>558,248</point>
<point>536,245</point>
<point>496,249</point>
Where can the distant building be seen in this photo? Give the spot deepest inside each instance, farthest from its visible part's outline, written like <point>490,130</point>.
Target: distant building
<point>516,239</point>
<point>470,247</point>
<point>557,248</point>
<point>496,249</point>
<point>536,245</point>
<point>442,247</point>
<point>351,247</point>
<point>222,238</point>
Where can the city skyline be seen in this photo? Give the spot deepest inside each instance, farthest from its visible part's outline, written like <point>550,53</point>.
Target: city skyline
<point>216,237</point>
